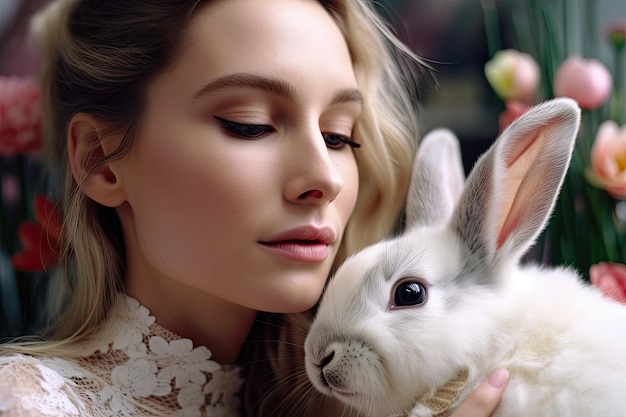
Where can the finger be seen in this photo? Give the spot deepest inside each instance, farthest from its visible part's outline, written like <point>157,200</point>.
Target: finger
<point>484,399</point>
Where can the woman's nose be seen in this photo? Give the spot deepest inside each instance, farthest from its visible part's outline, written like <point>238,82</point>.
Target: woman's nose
<point>314,176</point>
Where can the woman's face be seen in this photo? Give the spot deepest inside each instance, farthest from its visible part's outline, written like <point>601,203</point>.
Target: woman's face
<point>242,179</point>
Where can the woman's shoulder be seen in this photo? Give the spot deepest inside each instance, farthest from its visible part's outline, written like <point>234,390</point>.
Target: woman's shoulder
<point>39,387</point>
<point>130,367</point>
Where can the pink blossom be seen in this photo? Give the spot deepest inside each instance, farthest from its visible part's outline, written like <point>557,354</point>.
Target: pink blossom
<point>20,115</point>
<point>608,159</point>
<point>513,75</point>
<point>610,278</point>
<point>587,81</point>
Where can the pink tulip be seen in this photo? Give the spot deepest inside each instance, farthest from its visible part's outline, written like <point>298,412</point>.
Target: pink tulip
<point>20,115</point>
<point>610,278</point>
<point>513,75</point>
<point>587,81</point>
<point>608,159</point>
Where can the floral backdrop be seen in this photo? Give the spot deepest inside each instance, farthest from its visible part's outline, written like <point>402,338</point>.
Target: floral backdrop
<point>555,51</point>
<point>29,231</point>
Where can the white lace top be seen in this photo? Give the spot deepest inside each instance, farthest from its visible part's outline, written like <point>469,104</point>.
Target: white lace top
<point>141,369</point>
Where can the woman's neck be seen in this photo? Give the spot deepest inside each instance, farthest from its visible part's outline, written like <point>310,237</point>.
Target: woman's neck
<point>207,320</point>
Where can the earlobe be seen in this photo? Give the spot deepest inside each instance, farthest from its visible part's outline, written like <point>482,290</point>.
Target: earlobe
<point>86,147</point>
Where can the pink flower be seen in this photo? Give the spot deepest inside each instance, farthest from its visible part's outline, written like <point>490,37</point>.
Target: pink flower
<point>20,115</point>
<point>587,81</point>
<point>513,110</point>
<point>513,75</point>
<point>10,190</point>
<point>610,278</point>
<point>608,159</point>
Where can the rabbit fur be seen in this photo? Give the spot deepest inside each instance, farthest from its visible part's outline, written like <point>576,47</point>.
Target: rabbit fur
<point>404,316</point>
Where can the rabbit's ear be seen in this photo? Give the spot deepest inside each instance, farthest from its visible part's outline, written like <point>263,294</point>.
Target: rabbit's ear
<point>437,180</point>
<point>512,190</point>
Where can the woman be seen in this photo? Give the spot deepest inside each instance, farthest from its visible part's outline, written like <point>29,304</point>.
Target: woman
<point>219,158</point>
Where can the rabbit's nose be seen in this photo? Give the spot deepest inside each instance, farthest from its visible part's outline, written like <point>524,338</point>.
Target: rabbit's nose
<point>326,360</point>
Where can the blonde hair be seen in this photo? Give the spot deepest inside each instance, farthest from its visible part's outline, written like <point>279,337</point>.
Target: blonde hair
<point>100,59</point>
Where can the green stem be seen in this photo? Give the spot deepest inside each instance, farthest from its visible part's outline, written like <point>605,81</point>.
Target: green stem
<point>25,280</point>
<point>6,228</point>
<point>553,45</point>
<point>492,26</point>
<point>591,33</point>
<point>617,108</point>
<point>25,197</point>
<point>567,26</point>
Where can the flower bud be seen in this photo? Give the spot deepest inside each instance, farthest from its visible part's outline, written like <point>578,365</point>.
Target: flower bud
<point>513,75</point>
<point>587,81</point>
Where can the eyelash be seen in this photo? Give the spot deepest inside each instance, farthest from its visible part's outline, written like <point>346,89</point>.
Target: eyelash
<point>253,131</point>
<point>343,140</point>
<point>244,130</point>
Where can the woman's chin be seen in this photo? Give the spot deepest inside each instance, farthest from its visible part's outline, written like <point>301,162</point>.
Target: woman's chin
<point>292,302</point>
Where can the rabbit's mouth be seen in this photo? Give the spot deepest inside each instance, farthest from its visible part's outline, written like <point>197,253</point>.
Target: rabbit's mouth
<point>344,394</point>
<point>341,393</point>
<point>334,383</point>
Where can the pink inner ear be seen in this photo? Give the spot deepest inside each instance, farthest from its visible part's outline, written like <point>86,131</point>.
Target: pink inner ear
<point>516,189</point>
<point>506,230</point>
<point>520,158</point>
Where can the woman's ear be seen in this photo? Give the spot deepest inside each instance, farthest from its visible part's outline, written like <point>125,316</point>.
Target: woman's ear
<point>86,146</point>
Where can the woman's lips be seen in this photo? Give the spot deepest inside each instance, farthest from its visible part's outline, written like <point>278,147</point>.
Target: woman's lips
<point>303,251</point>
<point>303,244</point>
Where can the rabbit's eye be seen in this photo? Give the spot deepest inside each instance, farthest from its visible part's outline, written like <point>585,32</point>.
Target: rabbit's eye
<point>409,293</point>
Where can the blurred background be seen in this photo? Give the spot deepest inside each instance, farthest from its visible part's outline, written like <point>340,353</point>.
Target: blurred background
<point>458,38</point>
<point>452,35</point>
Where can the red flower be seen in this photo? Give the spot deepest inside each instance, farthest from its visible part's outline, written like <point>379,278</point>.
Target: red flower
<point>41,239</point>
<point>514,109</point>
<point>20,115</point>
<point>617,34</point>
<point>610,278</point>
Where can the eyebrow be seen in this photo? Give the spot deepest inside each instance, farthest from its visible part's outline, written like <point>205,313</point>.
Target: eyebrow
<point>275,86</point>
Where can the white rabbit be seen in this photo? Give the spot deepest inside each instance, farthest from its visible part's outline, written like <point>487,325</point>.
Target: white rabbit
<point>411,325</point>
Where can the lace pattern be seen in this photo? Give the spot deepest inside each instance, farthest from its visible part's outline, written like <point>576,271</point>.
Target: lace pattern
<point>142,369</point>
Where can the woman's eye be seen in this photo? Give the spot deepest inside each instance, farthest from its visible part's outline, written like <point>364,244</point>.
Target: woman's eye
<point>244,130</point>
<point>335,141</point>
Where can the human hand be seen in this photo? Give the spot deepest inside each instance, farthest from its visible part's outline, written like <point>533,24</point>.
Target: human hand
<point>484,399</point>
